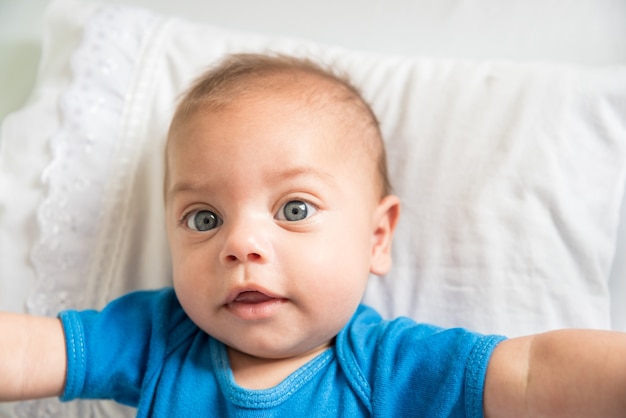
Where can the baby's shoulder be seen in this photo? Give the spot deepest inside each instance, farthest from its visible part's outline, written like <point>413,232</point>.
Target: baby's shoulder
<point>374,343</point>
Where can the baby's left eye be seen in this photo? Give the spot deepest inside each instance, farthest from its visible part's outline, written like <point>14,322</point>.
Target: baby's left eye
<point>295,210</point>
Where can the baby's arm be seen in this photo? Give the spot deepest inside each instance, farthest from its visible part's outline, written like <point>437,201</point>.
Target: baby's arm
<point>568,373</point>
<point>32,357</point>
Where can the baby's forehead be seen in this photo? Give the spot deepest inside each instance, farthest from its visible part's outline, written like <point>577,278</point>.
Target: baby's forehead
<point>346,122</point>
<point>338,123</point>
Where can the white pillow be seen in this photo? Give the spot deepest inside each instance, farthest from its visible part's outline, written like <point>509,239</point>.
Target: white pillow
<point>511,175</point>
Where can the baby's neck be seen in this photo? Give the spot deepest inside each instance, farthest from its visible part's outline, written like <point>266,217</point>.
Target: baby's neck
<point>261,373</point>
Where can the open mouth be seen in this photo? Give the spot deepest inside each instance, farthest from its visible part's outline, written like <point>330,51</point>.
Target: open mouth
<point>252,297</point>
<point>253,305</point>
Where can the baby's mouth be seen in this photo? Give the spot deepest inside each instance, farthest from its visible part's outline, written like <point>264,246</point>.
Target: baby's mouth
<point>252,296</point>
<point>255,305</point>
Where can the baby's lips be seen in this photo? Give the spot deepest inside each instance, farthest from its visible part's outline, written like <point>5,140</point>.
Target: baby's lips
<point>252,296</point>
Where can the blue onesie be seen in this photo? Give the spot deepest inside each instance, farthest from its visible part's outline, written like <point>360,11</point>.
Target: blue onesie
<point>142,350</point>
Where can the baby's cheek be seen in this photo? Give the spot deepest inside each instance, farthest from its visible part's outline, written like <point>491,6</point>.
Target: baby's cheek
<point>184,271</point>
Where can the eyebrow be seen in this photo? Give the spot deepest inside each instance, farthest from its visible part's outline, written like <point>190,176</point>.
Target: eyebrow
<point>276,175</point>
<point>304,171</point>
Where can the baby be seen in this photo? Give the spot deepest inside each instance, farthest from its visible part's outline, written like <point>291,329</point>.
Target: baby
<point>278,208</point>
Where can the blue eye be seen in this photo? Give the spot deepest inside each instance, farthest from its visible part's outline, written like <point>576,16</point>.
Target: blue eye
<point>296,210</point>
<point>203,220</point>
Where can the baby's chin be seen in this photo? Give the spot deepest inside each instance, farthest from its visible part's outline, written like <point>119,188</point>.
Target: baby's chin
<point>252,353</point>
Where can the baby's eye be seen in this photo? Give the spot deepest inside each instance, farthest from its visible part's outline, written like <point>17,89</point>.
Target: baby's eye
<point>295,210</point>
<point>203,220</point>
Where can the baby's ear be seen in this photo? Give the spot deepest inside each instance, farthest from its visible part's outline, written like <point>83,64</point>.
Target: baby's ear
<point>385,220</point>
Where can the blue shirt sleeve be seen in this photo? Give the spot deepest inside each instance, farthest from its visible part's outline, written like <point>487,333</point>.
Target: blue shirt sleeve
<point>410,369</point>
<point>109,353</point>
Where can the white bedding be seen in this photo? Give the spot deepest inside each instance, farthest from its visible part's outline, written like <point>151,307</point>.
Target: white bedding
<point>511,172</point>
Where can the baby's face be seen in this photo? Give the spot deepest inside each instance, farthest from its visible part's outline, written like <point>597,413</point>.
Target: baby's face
<point>273,227</point>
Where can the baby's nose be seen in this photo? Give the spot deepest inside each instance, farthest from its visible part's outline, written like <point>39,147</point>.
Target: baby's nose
<point>246,242</point>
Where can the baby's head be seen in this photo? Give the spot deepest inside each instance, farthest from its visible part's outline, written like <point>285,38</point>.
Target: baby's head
<point>277,204</point>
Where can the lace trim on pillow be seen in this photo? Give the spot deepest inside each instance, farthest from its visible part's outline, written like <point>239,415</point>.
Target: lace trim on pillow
<point>84,172</point>
<point>91,111</point>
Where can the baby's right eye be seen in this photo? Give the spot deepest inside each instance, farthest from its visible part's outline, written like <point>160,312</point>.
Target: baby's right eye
<point>203,220</point>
